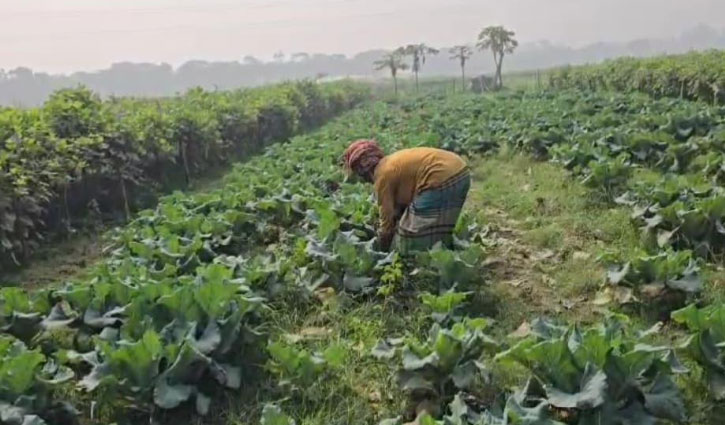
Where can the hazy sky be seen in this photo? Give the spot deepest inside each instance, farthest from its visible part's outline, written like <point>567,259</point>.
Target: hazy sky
<point>69,35</point>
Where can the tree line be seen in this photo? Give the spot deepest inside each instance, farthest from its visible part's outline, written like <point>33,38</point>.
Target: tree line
<point>497,39</point>
<point>24,87</point>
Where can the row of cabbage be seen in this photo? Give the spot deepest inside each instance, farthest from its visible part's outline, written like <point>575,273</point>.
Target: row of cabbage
<point>78,156</point>
<point>607,373</point>
<point>662,158</point>
<point>177,312</point>
<point>603,374</point>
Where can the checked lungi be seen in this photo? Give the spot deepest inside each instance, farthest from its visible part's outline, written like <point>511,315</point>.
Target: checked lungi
<point>433,214</point>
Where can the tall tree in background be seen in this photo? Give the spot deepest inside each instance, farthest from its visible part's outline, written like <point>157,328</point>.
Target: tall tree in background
<point>500,41</point>
<point>394,62</point>
<point>279,57</point>
<point>418,53</point>
<point>461,53</point>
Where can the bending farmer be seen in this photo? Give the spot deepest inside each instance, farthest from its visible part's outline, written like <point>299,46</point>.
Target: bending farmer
<point>420,191</point>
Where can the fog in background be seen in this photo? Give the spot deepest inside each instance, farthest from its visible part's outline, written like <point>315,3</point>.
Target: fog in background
<point>160,47</point>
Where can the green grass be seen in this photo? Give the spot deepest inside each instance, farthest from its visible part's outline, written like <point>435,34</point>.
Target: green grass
<point>66,259</point>
<point>450,85</point>
<point>552,207</point>
<point>560,228</point>
<point>362,392</point>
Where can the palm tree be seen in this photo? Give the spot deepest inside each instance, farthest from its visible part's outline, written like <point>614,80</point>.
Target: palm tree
<point>500,41</point>
<point>394,62</point>
<point>417,52</point>
<point>461,53</point>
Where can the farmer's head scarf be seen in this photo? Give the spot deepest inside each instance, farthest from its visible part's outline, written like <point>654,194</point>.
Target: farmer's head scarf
<point>362,157</point>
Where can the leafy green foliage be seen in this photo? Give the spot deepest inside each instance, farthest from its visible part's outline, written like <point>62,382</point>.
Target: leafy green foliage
<point>525,407</point>
<point>449,359</point>
<point>392,277</point>
<point>177,310</point>
<point>695,75</point>
<point>706,345</point>
<point>77,150</point>
<point>455,269</point>
<point>608,176</point>
<point>27,379</point>
<point>300,367</point>
<point>667,270</point>
<point>600,374</point>
<point>687,220</point>
<point>445,306</point>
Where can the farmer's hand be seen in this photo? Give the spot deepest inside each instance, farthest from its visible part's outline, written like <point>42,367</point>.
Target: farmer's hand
<point>384,241</point>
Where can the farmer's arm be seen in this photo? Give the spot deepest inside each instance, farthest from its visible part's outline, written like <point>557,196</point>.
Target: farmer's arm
<point>385,191</point>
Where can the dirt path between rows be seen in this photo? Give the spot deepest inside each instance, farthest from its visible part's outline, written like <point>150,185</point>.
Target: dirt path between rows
<point>522,280</point>
<point>61,262</point>
<point>545,237</point>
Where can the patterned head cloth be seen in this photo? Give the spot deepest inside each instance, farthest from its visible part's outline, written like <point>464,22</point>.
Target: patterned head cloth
<point>362,157</point>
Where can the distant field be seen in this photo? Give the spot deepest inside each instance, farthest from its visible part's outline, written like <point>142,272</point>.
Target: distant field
<point>696,76</point>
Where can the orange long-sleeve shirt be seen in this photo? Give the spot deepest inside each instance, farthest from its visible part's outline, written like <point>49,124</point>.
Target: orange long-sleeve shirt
<point>401,176</point>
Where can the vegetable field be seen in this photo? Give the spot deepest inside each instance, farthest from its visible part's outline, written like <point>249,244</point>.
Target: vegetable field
<point>78,157</point>
<point>264,299</point>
